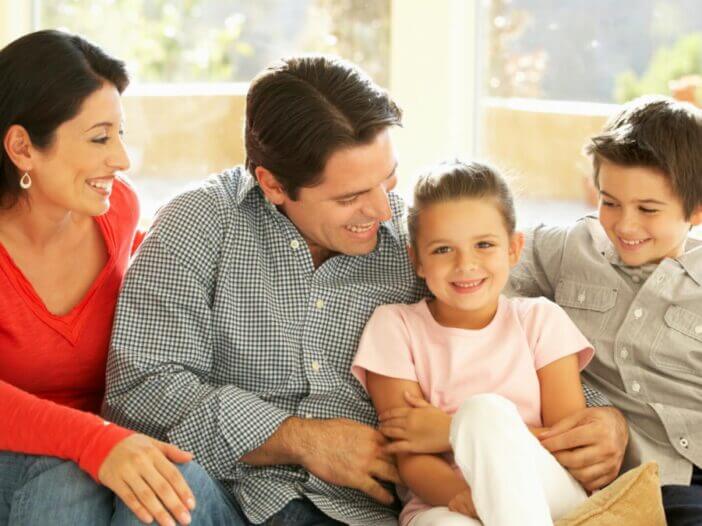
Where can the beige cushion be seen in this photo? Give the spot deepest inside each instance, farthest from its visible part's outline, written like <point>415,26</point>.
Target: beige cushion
<point>634,499</point>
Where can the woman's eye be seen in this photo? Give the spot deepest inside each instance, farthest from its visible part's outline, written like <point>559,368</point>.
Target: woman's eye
<point>101,140</point>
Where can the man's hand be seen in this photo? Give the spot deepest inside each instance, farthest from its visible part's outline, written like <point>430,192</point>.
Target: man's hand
<point>590,444</point>
<point>421,428</point>
<point>347,453</point>
<point>463,503</point>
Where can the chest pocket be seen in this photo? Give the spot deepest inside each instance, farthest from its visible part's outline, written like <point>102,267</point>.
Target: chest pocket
<point>589,306</point>
<point>678,345</point>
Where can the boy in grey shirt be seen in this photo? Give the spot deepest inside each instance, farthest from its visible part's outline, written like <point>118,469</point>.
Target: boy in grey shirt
<point>631,279</point>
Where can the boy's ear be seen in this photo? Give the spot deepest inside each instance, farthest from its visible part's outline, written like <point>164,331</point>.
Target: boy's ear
<point>516,245</point>
<point>415,261</point>
<point>272,189</point>
<point>696,217</point>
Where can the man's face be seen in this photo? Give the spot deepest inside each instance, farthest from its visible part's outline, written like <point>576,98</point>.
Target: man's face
<point>642,216</point>
<point>341,215</point>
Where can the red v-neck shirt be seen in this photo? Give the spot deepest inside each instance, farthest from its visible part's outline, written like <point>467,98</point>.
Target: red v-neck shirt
<point>52,368</point>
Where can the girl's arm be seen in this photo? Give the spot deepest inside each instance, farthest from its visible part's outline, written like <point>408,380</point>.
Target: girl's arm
<point>429,477</point>
<point>561,390</point>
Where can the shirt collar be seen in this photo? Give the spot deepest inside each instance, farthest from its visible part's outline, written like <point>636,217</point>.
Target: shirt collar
<point>690,261</point>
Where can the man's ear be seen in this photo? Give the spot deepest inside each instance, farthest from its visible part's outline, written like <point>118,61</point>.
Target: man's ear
<point>516,245</point>
<point>415,261</point>
<point>272,189</point>
<point>18,146</point>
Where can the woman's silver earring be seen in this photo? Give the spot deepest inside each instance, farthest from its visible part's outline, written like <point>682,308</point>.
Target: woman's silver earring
<point>26,181</point>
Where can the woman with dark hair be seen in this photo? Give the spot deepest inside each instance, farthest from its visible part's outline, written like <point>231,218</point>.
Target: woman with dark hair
<point>67,229</point>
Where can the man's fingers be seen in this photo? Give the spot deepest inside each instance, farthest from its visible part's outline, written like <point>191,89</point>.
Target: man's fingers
<point>595,476</point>
<point>372,488</point>
<point>579,458</point>
<point>130,500</point>
<point>401,446</point>
<point>562,426</point>
<point>383,470</point>
<point>575,437</point>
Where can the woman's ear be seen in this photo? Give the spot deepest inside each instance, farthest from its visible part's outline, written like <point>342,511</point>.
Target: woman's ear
<point>516,245</point>
<point>272,189</point>
<point>18,146</point>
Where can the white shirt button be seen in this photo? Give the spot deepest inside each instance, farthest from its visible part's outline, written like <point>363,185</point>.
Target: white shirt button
<point>581,297</point>
<point>624,353</point>
<point>308,415</point>
<point>698,329</point>
<point>635,386</point>
<point>315,365</point>
<point>684,442</point>
<point>638,313</point>
<point>294,244</point>
<point>319,304</point>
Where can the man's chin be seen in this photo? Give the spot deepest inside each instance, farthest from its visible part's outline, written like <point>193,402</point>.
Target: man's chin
<point>359,248</point>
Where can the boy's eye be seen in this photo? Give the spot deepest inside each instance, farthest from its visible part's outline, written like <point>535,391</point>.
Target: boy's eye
<point>648,210</point>
<point>441,250</point>
<point>485,244</point>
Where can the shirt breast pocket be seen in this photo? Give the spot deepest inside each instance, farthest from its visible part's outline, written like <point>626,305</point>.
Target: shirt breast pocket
<point>678,345</point>
<point>589,306</point>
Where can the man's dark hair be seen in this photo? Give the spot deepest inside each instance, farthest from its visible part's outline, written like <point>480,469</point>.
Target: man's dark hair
<point>44,78</point>
<point>303,109</point>
<point>656,132</point>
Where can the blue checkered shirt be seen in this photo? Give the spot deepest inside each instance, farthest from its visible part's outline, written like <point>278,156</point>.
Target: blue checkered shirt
<point>224,329</point>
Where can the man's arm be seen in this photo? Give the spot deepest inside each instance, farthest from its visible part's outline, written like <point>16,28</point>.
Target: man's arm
<point>159,368</point>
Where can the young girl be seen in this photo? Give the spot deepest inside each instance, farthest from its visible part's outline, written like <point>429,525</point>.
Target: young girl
<point>499,367</point>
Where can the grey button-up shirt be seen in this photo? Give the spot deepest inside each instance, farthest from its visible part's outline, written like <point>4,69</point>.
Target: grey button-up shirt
<point>224,329</point>
<point>646,326</point>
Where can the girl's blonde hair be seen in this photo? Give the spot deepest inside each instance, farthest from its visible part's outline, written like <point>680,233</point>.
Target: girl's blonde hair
<point>457,179</point>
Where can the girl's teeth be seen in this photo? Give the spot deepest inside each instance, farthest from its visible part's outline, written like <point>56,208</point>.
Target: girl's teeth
<point>633,242</point>
<point>100,185</point>
<point>469,284</point>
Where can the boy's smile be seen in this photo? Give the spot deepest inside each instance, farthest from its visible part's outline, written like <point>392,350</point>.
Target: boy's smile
<point>642,216</point>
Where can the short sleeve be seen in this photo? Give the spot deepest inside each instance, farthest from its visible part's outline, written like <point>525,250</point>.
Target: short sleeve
<point>385,347</point>
<point>553,335</point>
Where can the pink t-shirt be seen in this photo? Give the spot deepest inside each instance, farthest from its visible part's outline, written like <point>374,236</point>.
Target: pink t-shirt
<point>450,365</point>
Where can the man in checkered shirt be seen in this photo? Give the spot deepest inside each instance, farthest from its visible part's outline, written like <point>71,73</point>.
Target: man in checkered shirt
<point>239,318</point>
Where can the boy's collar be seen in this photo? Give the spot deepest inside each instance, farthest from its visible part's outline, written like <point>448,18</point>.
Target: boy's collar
<point>690,260</point>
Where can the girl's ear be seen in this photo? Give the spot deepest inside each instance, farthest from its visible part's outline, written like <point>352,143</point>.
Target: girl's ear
<point>415,261</point>
<point>516,245</point>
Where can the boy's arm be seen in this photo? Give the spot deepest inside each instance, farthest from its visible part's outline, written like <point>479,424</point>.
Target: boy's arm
<point>539,267</point>
<point>429,477</point>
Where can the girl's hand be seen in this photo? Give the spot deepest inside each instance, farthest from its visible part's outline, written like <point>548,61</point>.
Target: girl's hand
<point>463,503</point>
<point>139,471</point>
<point>421,428</point>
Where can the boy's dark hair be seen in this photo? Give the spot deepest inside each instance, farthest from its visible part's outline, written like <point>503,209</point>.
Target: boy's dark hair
<point>655,132</point>
<point>303,109</point>
<point>455,179</point>
<point>44,78</point>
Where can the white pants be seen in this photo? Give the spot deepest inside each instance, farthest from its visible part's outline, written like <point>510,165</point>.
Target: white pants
<point>514,480</point>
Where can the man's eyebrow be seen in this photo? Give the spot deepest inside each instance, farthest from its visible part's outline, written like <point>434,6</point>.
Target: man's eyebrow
<point>649,201</point>
<point>361,192</point>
